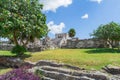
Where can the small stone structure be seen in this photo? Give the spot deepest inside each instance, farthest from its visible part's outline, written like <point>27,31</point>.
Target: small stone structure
<point>60,39</point>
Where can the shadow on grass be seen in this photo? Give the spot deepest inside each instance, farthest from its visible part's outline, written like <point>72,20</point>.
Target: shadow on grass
<point>16,56</point>
<point>25,56</point>
<point>1,67</point>
<point>102,50</point>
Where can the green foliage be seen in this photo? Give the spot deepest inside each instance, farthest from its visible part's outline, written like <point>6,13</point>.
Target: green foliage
<point>22,20</point>
<point>39,73</point>
<point>71,32</point>
<point>109,32</point>
<point>19,50</point>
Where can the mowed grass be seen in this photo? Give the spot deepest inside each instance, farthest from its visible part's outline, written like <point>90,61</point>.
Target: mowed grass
<point>86,58</point>
<point>6,53</point>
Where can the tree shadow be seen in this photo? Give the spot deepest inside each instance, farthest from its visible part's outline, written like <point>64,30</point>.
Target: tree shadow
<point>102,50</point>
<point>16,56</point>
<point>25,56</point>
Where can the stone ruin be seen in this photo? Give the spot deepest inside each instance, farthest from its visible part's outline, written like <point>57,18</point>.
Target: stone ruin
<point>85,43</point>
<point>40,45</point>
<point>61,40</point>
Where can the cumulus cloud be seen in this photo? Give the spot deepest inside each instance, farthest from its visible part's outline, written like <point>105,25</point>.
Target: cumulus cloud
<point>98,1</point>
<point>54,28</point>
<point>52,5</point>
<point>85,16</point>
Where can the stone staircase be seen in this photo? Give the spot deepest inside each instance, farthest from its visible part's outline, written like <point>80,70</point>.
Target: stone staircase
<point>54,71</point>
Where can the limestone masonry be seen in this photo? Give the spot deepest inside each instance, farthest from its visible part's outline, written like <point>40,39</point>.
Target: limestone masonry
<point>61,40</point>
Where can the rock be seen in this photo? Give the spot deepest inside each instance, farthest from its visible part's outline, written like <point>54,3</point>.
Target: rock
<point>47,78</point>
<point>73,67</point>
<point>58,73</point>
<point>46,62</point>
<point>28,64</point>
<point>62,76</point>
<point>112,69</point>
<point>54,64</point>
<point>115,77</point>
<point>11,62</point>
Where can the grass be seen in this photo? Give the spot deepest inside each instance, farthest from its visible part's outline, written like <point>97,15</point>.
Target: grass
<point>87,58</point>
<point>6,53</point>
<point>4,70</point>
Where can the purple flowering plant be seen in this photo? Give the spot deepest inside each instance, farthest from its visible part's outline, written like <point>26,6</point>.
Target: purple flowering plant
<point>20,74</point>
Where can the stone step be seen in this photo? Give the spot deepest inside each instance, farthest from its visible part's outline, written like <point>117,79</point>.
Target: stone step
<point>112,69</point>
<point>62,76</point>
<point>58,71</point>
<point>95,75</point>
<point>54,64</point>
<point>47,78</point>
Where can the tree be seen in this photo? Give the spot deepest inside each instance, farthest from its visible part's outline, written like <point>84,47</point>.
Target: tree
<point>109,32</point>
<point>71,32</point>
<point>22,20</point>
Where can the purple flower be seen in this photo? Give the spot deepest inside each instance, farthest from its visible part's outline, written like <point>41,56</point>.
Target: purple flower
<point>19,74</point>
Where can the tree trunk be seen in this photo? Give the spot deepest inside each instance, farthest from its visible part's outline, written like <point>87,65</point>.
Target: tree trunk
<point>111,45</point>
<point>15,38</point>
<point>26,42</point>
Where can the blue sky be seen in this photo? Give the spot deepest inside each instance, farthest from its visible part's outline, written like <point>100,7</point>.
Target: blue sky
<point>82,15</point>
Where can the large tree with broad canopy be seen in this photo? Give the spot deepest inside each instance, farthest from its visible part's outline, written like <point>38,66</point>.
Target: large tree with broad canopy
<point>22,20</point>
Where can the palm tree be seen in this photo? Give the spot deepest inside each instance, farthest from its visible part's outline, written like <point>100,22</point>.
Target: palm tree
<point>71,32</point>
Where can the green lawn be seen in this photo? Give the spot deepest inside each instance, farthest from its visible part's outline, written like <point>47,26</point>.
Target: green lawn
<point>88,58</point>
<point>6,53</point>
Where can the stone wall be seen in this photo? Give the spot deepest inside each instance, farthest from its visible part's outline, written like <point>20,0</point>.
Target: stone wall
<point>6,47</point>
<point>9,47</point>
<point>61,43</point>
<point>86,43</point>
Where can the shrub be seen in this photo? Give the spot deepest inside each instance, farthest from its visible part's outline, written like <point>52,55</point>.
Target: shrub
<point>19,74</point>
<point>19,50</point>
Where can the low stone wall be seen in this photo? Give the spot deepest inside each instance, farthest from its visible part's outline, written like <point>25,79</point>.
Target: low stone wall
<point>6,47</point>
<point>31,48</point>
<point>9,47</point>
<point>86,43</point>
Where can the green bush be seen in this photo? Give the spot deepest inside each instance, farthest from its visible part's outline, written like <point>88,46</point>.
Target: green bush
<point>19,50</point>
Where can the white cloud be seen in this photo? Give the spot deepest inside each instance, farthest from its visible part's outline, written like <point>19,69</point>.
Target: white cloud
<point>98,1</point>
<point>54,28</point>
<point>52,5</point>
<point>85,16</point>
